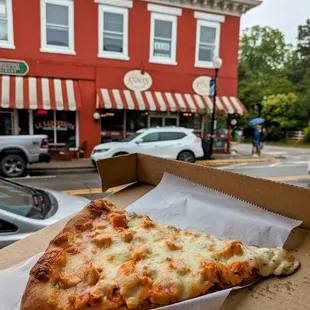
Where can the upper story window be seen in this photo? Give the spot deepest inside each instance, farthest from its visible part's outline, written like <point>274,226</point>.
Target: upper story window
<point>163,38</point>
<point>57,26</point>
<point>6,24</point>
<point>113,29</point>
<point>207,38</point>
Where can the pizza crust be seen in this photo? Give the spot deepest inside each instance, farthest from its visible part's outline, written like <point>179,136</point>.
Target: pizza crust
<point>103,260</point>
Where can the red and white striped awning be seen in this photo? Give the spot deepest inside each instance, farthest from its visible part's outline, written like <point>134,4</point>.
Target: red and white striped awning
<point>163,101</point>
<point>39,93</point>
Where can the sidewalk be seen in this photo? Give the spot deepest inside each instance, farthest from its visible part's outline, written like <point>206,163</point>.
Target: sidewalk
<point>220,159</point>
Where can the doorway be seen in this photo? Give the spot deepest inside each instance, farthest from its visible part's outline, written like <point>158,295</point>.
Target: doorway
<point>6,123</point>
<point>163,121</point>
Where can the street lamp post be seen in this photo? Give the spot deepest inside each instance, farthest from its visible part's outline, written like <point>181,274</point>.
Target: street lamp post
<point>217,64</point>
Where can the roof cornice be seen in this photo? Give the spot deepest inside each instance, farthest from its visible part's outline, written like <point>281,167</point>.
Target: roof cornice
<point>228,7</point>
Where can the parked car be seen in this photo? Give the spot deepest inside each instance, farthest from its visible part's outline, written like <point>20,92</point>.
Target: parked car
<point>24,209</point>
<point>17,151</point>
<point>168,142</point>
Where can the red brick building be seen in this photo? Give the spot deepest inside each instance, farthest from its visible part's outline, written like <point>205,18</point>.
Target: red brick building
<point>138,63</point>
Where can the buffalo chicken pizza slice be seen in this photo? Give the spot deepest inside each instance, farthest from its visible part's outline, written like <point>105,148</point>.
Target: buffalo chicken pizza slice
<point>106,258</point>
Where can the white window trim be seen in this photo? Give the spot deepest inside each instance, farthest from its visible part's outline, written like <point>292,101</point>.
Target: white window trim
<point>120,3</point>
<point>45,48</point>
<point>217,26</point>
<point>160,60</point>
<point>108,54</point>
<point>10,42</point>
<point>164,9</point>
<point>210,17</point>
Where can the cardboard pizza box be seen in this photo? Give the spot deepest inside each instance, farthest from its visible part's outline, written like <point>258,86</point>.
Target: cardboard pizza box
<point>145,172</point>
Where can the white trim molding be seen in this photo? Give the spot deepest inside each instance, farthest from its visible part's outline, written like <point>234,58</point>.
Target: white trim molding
<point>164,9</point>
<point>227,7</point>
<point>102,9</point>
<point>9,43</point>
<point>57,49</point>
<point>173,19</point>
<point>120,3</point>
<point>209,17</point>
<point>216,51</point>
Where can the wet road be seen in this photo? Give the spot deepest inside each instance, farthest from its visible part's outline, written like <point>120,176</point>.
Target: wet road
<point>86,183</point>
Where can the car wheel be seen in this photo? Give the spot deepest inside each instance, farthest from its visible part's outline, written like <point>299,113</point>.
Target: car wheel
<point>13,165</point>
<point>187,157</point>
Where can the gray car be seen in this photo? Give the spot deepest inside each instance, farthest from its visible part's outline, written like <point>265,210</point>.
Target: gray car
<point>24,209</point>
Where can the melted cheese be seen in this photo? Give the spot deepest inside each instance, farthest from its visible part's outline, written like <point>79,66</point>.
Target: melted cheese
<point>130,259</point>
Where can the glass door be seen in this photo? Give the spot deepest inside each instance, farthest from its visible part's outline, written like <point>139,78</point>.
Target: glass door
<point>155,121</point>
<point>6,123</point>
<point>171,121</point>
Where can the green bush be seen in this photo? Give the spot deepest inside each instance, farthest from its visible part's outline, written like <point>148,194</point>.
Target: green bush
<point>307,133</point>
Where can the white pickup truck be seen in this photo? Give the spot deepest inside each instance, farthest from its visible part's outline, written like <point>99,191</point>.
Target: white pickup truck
<point>18,151</point>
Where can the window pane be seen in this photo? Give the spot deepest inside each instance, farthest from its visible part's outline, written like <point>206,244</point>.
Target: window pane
<point>57,14</point>
<point>135,120</point>
<point>56,36</point>
<point>207,35</point>
<point>3,30</point>
<point>5,124</point>
<point>113,22</point>
<point>112,42</point>
<point>152,137</point>
<point>166,136</point>
<point>112,125</point>
<point>162,48</point>
<point>43,124</point>
<point>23,122</point>
<point>66,127</point>
<point>3,9</point>
<point>206,53</point>
<point>163,29</point>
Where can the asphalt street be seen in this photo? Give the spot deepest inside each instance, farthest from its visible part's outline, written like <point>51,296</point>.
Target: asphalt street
<point>87,182</point>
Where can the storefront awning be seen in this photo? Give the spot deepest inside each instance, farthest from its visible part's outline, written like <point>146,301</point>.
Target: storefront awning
<point>163,101</point>
<point>39,93</point>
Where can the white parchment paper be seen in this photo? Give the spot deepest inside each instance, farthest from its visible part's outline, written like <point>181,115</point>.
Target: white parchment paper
<point>185,205</point>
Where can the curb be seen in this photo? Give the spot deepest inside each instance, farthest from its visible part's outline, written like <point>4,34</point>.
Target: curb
<point>61,168</point>
<point>235,161</point>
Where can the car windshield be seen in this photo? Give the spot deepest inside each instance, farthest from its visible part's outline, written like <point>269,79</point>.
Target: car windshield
<point>130,138</point>
<point>22,200</point>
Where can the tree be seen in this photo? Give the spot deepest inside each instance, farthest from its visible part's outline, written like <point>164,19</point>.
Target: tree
<point>263,57</point>
<point>282,115</point>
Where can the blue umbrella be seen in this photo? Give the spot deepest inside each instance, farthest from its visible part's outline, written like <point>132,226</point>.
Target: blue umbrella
<point>256,121</point>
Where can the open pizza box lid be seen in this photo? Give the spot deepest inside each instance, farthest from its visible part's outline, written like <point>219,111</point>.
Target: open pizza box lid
<point>145,172</point>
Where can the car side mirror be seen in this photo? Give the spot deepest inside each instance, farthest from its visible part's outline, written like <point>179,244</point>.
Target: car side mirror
<point>139,141</point>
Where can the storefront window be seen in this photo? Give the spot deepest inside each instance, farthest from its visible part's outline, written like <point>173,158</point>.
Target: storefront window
<point>135,120</point>
<point>23,122</point>
<point>5,123</point>
<point>60,126</point>
<point>112,125</point>
<point>191,120</point>
<point>66,127</point>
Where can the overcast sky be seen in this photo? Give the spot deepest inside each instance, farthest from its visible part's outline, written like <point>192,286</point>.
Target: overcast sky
<point>285,15</point>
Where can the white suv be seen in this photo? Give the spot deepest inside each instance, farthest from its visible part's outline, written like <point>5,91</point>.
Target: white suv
<point>168,142</point>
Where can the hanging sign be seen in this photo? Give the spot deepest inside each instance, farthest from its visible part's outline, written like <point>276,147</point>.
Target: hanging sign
<point>137,81</point>
<point>201,85</point>
<point>13,67</point>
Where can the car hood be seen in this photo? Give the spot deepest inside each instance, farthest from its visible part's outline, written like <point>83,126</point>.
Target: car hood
<point>112,145</point>
<point>67,205</point>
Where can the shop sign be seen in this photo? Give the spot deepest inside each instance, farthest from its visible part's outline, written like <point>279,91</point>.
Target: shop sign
<point>46,125</point>
<point>138,81</point>
<point>201,85</point>
<point>13,67</point>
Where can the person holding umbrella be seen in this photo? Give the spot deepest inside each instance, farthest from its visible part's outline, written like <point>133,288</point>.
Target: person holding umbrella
<point>256,135</point>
